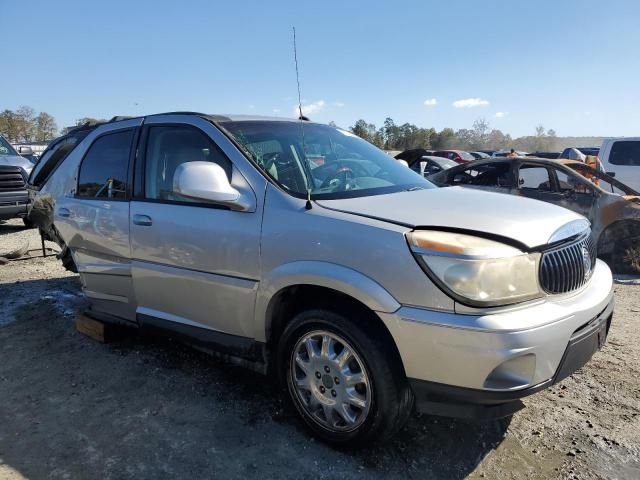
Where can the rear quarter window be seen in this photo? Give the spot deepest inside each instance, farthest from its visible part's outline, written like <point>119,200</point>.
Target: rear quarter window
<point>625,153</point>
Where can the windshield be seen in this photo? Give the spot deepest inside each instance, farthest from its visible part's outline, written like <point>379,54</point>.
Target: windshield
<point>6,148</point>
<point>325,161</point>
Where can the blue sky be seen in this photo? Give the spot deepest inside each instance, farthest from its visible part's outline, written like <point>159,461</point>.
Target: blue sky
<point>570,65</point>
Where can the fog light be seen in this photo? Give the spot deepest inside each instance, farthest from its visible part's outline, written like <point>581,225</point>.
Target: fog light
<point>512,374</point>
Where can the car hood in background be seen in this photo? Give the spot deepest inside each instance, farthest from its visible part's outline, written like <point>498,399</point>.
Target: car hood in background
<point>530,222</point>
<point>16,161</point>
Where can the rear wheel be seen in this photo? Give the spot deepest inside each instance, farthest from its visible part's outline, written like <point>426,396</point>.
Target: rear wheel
<point>346,385</point>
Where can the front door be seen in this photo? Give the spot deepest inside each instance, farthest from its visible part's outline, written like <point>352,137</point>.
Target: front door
<point>195,264</point>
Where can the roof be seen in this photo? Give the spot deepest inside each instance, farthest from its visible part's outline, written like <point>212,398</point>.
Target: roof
<point>217,117</point>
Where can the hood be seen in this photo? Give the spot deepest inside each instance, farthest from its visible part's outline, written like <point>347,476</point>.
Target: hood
<point>530,222</point>
<point>16,161</point>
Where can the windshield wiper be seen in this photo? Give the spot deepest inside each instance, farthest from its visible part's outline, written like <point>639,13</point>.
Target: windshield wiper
<point>413,189</point>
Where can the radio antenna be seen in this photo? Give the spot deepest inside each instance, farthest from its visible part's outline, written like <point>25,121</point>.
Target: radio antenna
<point>308,204</point>
<point>295,58</point>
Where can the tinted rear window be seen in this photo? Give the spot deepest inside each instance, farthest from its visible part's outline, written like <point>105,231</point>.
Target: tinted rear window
<point>625,153</point>
<point>53,157</point>
<point>103,173</point>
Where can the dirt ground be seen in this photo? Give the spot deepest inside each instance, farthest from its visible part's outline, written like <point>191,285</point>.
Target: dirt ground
<point>150,408</point>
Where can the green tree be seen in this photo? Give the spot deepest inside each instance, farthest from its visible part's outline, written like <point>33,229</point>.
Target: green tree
<point>9,125</point>
<point>45,127</point>
<point>480,137</point>
<point>25,119</point>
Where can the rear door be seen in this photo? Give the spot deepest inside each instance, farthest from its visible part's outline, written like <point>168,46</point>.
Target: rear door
<point>94,220</point>
<point>623,159</point>
<point>196,265</point>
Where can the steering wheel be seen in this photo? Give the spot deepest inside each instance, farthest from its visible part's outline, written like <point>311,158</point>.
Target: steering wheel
<point>341,179</point>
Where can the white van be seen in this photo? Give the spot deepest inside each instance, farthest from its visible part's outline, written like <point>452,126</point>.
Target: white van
<point>620,157</point>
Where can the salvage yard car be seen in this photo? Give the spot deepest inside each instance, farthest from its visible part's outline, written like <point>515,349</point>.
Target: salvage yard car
<point>612,207</point>
<point>334,279</point>
<point>620,157</point>
<point>14,171</point>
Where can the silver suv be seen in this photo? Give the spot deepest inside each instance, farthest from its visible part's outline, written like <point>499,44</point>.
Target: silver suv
<point>304,252</point>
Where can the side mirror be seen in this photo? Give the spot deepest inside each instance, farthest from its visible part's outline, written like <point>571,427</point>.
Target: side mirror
<point>611,174</point>
<point>25,151</point>
<point>208,182</point>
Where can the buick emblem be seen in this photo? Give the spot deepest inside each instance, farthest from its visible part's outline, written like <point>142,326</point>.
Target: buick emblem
<point>586,261</point>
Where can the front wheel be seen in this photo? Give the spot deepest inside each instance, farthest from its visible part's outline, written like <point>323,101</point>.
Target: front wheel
<point>347,385</point>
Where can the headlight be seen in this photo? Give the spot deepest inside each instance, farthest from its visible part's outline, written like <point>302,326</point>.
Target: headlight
<point>476,270</point>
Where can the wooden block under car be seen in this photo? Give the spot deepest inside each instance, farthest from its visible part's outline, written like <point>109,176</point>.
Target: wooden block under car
<point>100,331</point>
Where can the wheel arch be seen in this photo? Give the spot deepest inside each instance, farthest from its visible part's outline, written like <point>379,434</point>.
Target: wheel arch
<point>305,284</point>
<point>607,239</point>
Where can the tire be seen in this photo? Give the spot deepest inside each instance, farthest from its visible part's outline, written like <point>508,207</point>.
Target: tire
<point>357,412</point>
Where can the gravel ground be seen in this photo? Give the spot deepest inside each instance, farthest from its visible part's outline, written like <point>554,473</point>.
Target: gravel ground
<point>150,408</point>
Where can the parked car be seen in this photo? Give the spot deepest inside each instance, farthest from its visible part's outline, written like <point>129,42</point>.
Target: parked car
<point>578,153</point>
<point>620,157</point>
<point>505,153</point>
<point>549,155</point>
<point>457,156</point>
<point>358,284</point>
<point>429,165</point>
<point>14,171</point>
<point>410,156</point>
<point>612,207</point>
<point>479,155</point>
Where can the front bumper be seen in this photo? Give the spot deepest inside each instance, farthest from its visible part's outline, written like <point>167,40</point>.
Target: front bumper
<point>8,211</point>
<point>479,365</point>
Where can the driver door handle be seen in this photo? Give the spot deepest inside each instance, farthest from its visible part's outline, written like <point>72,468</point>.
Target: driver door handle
<point>142,220</point>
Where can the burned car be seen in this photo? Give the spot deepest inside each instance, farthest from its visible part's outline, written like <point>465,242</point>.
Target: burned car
<point>330,277</point>
<point>612,207</point>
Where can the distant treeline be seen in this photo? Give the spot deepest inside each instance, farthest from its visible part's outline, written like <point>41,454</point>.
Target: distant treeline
<point>391,136</point>
<point>24,125</point>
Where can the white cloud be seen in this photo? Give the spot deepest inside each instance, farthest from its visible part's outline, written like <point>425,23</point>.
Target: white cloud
<point>276,110</point>
<point>338,104</point>
<point>310,108</point>
<point>430,102</point>
<point>501,114</point>
<point>470,103</point>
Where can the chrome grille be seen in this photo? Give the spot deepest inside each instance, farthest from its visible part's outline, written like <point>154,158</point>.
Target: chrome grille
<point>568,267</point>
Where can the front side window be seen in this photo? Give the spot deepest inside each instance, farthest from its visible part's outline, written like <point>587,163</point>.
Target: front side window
<point>168,147</point>
<point>569,183</point>
<point>534,178</point>
<point>103,172</point>
<point>326,162</point>
<point>487,175</point>
<point>625,153</point>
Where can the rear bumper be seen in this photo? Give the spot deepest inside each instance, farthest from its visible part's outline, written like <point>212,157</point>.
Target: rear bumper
<point>447,400</point>
<point>479,364</point>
